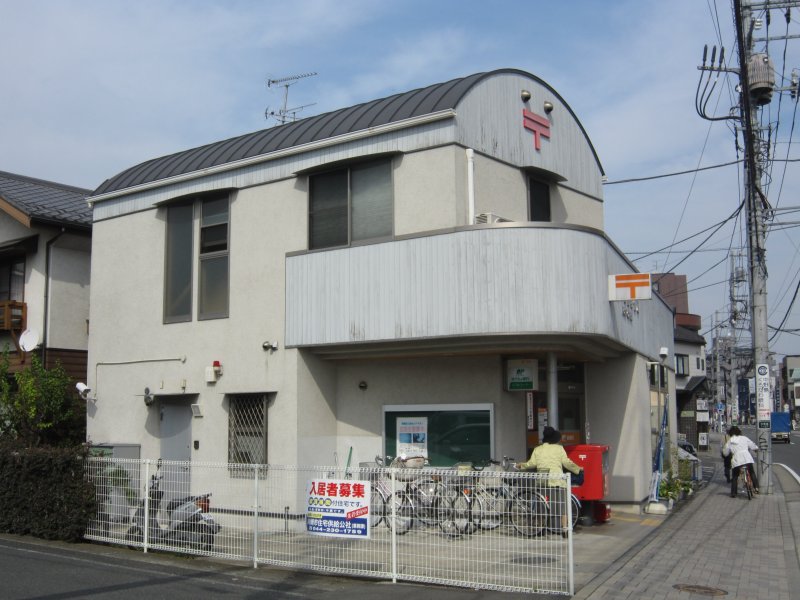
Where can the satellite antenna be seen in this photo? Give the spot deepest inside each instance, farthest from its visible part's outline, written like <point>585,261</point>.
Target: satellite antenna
<point>284,114</point>
<point>29,340</point>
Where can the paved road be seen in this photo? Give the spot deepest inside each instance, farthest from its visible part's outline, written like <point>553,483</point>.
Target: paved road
<point>35,569</point>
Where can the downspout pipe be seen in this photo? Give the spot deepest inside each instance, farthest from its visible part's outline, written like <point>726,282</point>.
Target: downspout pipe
<point>470,186</point>
<point>46,318</point>
<point>552,390</point>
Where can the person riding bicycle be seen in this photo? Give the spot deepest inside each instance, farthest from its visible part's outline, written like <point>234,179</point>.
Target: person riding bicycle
<point>550,457</point>
<point>738,448</point>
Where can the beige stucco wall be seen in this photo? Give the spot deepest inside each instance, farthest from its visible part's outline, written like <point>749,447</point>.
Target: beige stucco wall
<point>427,188</point>
<point>68,317</point>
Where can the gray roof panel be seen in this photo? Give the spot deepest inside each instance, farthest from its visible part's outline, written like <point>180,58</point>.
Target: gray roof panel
<point>398,107</point>
<point>47,201</point>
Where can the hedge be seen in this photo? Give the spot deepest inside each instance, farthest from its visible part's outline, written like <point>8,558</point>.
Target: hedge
<point>45,492</point>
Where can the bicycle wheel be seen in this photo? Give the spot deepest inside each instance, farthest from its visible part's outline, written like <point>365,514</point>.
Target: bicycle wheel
<point>426,499</point>
<point>492,507</point>
<point>576,510</point>
<point>748,483</point>
<point>399,512</point>
<point>377,508</point>
<point>529,513</point>
<point>462,513</point>
<point>446,513</point>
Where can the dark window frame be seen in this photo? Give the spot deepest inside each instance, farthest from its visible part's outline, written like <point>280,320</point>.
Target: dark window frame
<point>682,365</point>
<point>188,263</point>
<point>539,201</point>
<point>324,208</point>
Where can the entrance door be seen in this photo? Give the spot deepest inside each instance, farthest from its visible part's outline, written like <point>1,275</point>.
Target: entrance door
<point>176,440</point>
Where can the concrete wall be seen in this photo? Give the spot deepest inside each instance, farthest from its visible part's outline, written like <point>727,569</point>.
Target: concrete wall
<point>618,411</point>
<point>68,319</point>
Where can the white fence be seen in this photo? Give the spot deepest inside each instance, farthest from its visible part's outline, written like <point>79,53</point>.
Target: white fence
<point>479,529</point>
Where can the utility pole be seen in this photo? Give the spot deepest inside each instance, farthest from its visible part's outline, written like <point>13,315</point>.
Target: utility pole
<point>756,86</point>
<point>757,82</point>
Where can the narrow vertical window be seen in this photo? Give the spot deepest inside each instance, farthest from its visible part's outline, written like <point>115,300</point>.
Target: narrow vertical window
<point>247,429</point>
<point>213,293</point>
<point>178,268</point>
<point>539,196</point>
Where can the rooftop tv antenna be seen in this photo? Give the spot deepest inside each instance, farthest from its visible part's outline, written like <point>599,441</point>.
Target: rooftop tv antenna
<point>284,114</point>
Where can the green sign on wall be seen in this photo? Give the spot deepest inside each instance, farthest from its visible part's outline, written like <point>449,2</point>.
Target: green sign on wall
<point>522,375</point>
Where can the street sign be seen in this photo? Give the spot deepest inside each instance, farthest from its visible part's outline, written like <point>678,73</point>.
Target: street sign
<point>763,402</point>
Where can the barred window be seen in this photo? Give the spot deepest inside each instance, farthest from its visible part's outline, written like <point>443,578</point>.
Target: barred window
<point>247,429</point>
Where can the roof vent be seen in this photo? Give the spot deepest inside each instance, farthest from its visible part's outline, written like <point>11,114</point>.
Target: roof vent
<point>488,218</point>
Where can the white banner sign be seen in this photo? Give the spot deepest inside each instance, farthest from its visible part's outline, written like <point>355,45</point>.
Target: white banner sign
<point>763,402</point>
<point>338,508</point>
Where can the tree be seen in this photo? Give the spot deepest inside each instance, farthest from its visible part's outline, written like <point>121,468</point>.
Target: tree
<point>38,407</point>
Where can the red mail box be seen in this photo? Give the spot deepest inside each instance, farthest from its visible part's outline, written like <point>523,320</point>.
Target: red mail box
<point>594,460</point>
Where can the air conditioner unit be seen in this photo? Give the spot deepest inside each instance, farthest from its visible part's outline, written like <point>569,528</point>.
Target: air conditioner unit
<point>488,218</point>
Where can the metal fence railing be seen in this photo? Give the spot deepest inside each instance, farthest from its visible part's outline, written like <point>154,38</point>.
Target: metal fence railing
<point>480,529</point>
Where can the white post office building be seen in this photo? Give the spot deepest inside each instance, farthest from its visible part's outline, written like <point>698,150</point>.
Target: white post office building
<point>426,272</point>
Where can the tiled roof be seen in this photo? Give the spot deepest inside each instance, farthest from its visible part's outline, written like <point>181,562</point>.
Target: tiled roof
<point>46,201</point>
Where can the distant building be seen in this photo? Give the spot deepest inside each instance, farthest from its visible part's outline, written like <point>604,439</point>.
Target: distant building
<point>423,273</point>
<point>790,389</point>
<point>45,250</point>
<point>691,384</point>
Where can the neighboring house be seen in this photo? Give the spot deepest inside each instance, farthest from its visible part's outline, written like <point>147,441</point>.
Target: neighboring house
<point>45,251</point>
<point>393,276</point>
<point>691,385</point>
<point>790,385</point>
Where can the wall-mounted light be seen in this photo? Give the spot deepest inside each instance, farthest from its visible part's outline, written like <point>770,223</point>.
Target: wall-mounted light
<point>362,385</point>
<point>271,346</point>
<point>148,397</point>
<point>525,95</point>
<point>548,107</point>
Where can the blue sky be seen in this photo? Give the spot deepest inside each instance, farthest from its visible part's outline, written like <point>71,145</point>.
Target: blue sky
<point>92,87</point>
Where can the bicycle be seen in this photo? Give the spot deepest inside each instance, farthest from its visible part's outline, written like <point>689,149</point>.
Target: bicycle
<point>746,481</point>
<point>417,499</point>
<point>492,499</point>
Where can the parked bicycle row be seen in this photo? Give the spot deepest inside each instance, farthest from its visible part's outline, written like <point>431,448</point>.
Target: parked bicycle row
<point>464,499</point>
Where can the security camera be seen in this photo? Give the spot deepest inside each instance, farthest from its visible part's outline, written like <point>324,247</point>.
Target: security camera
<point>270,345</point>
<point>83,389</point>
<point>663,353</point>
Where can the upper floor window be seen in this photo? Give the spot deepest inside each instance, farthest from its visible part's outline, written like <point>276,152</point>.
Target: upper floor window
<point>681,364</point>
<point>701,364</point>
<point>213,293</point>
<point>213,260</point>
<point>351,204</point>
<point>12,279</point>
<point>539,200</point>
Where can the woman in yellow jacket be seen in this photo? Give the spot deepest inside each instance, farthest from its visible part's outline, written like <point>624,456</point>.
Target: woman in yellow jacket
<point>551,458</point>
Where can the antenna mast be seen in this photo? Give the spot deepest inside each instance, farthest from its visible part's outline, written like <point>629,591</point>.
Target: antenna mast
<point>284,114</point>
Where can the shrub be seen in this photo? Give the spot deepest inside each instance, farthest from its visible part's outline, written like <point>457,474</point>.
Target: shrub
<point>45,492</point>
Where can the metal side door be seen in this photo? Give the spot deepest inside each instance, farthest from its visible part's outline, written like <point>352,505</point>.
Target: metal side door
<point>176,440</point>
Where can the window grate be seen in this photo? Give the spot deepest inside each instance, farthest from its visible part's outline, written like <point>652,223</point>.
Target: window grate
<point>247,430</point>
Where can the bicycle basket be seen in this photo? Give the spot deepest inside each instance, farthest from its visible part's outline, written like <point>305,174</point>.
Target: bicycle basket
<point>412,463</point>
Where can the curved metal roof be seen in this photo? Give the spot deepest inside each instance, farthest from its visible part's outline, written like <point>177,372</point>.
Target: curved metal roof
<point>415,103</point>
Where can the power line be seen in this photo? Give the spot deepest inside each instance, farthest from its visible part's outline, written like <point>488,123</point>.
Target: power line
<point>689,172</point>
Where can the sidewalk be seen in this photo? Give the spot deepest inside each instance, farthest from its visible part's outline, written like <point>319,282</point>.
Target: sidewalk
<point>714,545</point>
